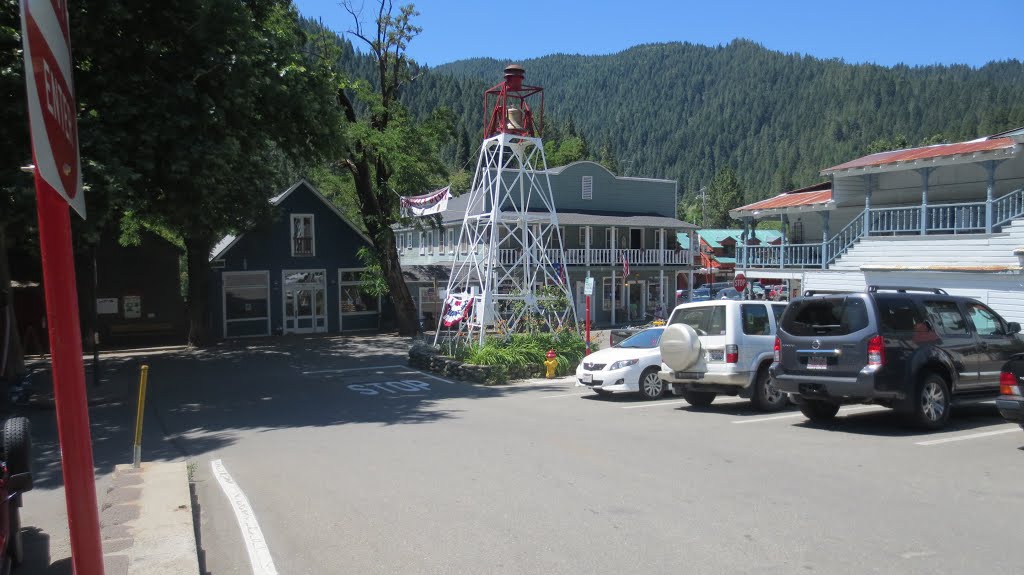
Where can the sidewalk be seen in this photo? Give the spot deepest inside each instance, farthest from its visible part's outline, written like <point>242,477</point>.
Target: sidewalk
<point>146,521</point>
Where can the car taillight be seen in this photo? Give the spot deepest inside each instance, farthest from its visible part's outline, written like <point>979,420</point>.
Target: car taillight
<point>1008,384</point>
<point>732,353</point>
<point>778,350</point>
<point>876,351</point>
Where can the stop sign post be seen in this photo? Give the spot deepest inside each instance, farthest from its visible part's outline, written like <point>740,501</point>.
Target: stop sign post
<point>51,110</point>
<point>739,282</point>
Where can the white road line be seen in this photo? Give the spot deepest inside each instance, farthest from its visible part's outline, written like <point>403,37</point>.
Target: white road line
<point>655,404</point>
<point>564,395</point>
<point>259,553</point>
<point>792,415</point>
<point>969,436</point>
<point>425,374</point>
<point>322,371</point>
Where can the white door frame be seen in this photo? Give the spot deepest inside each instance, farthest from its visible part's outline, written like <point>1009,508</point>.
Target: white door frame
<point>313,287</point>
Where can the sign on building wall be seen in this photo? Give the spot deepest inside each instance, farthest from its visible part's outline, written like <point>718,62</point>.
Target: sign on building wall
<point>132,307</point>
<point>107,305</point>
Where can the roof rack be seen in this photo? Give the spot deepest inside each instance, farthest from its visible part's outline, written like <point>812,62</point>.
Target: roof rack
<point>903,289</point>
<point>814,292</point>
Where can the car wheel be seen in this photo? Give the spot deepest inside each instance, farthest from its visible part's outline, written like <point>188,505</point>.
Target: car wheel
<point>699,398</point>
<point>766,396</point>
<point>931,402</point>
<point>15,547</point>
<point>17,445</point>
<point>819,411</point>
<point>651,386</point>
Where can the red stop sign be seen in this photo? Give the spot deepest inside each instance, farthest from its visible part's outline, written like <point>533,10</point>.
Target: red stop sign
<point>51,97</point>
<point>740,282</point>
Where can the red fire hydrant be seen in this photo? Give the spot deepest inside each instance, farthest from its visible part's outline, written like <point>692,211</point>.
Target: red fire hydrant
<point>550,364</point>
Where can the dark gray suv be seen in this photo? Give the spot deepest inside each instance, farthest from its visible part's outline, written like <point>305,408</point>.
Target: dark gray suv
<point>918,351</point>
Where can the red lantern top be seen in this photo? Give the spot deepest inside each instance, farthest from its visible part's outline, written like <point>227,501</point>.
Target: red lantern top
<point>507,106</point>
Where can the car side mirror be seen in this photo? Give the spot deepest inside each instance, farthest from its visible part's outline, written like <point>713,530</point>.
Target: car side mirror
<point>1012,328</point>
<point>20,482</point>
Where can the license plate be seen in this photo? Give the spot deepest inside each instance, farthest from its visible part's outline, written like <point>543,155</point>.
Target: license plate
<point>716,354</point>
<point>587,378</point>
<point>689,375</point>
<point>817,362</point>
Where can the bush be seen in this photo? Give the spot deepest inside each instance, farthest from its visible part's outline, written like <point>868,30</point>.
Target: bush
<point>529,349</point>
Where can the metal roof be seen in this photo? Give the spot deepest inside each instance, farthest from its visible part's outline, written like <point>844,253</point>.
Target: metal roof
<point>991,144</point>
<point>788,200</point>
<point>714,238</point>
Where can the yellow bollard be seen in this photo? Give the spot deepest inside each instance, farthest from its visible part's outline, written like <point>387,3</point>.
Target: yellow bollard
<point>143,376</point>
<point>551,364</point>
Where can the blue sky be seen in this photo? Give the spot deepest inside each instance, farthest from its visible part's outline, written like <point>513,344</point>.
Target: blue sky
<point>914,32</point>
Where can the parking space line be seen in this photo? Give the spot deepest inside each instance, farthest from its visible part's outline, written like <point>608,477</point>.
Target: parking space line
<point>792,415</point>
<point>425,374</point>
<point>346,370</point>
<point>969,436</point>
<point>255,543</point>
<point>655,404</point>
<point>564,395</point>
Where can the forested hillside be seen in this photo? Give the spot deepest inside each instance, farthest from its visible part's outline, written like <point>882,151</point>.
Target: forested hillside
<point>685,111</point>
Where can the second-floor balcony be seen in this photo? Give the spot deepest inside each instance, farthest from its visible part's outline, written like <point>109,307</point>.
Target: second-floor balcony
<point>572,256</point>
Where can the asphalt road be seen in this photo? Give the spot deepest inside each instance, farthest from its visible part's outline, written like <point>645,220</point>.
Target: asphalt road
<point>352,468</point>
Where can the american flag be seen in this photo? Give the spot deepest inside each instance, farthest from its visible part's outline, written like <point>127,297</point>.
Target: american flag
<point>559,272</point>
<point>625,265</point>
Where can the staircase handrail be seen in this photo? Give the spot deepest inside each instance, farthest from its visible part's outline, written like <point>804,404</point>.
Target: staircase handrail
<point>845,238</point>
<point>1008,207</point>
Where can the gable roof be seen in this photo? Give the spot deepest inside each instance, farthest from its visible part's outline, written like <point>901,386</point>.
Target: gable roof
<point>999,145</point>
<point>811,198</point>
<point>228,241</point>
<point>714,238</point>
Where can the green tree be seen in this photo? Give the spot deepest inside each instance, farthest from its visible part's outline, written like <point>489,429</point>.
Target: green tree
<point>724,193</point>
<point>384,148</point>
<point>203,109</point>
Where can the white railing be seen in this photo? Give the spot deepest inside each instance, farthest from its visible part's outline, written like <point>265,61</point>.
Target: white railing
<point>1008,207</point>
<point>602,257</point>
<point>578,256</point>
<point>956,217</point>
<point>762,256</point>
<point>894,220</point>
<point>802,255</point>
<point>841,242</point>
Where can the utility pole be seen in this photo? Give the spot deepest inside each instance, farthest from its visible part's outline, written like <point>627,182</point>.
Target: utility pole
<point>703,193</point>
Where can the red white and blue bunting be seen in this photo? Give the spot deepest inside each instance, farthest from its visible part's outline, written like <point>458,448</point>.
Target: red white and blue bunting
<point>428,204</point>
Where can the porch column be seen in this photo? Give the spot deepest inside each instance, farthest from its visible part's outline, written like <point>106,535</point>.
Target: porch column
<point>661,246</point>
<point>869,184</point>
<point>615,288</point>
<point>782,245</point>
<point>990,168</point>
<point>825,215</point>
<point>661,291</point>
<point>587,232</point>
<point>925,176</point>
<point>746,240</point>
<point>691,236</point>
<point>612,245</point>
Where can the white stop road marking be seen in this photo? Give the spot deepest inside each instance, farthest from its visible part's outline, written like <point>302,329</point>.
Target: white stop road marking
<point>255,544</point>
<point>390,387</point>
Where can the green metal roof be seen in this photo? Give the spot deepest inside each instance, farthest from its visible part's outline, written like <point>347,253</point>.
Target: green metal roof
<point>714,238</point>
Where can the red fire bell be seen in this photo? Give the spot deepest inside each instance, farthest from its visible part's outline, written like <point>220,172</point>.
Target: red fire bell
<point>507,106</point>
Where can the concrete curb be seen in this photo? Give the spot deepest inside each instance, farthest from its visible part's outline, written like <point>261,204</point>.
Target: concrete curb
<point>146,521</point>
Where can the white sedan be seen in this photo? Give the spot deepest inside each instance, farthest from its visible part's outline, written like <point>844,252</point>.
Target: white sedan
<point>630,365</point>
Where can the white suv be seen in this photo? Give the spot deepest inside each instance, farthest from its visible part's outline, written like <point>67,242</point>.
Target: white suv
<point>722,347</point>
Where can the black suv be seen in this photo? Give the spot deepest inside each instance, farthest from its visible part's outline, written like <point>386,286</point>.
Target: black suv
<point>918,351</point>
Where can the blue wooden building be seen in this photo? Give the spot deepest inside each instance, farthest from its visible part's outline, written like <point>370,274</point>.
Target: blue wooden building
<point>300,274</point>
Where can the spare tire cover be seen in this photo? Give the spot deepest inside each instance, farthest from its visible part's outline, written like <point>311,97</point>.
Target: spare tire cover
<point>680,346</point>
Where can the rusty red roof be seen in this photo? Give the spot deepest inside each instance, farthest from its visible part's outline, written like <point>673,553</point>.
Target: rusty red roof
<point>927,152</point>
<point>789,200</point>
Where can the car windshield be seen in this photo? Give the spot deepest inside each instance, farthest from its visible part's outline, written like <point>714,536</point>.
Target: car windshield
<point>647,339</point>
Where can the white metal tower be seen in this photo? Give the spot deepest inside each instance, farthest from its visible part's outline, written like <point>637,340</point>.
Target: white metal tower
<point>510,259</point>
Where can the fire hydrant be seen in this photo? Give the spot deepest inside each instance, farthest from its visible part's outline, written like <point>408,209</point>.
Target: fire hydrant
<point>550,364</point>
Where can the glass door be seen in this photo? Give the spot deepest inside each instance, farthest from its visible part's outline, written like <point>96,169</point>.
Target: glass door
<point>305,308</point>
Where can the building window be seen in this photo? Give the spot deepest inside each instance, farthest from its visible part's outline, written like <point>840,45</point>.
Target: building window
<point>399,242</point>
<point>430,242</point>
<point>607,294</point>
<point>408,240</point>
<point>451,240</point>
<point>302,235</point>
<point>423,245</point>
<point>440,241</point>
<point>353,301</point>
<point>588,187</point>
<point>246,303</point>
<point>584,232</point>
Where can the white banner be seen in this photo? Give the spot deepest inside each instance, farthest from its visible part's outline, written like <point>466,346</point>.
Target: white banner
<point>427,204</point>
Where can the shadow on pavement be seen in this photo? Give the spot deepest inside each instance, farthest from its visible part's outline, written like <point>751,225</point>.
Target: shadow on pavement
<point>888,423</point>
<point>198,399</point>
<point>37,555</point>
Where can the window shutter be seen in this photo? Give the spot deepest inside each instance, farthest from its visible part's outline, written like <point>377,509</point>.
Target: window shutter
<point>588,187</point>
